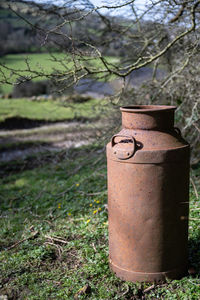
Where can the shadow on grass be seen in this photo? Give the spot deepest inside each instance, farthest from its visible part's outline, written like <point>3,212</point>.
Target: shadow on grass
<point>49,158</point>
<point>30,162</point>
<point>13,57</point>
<point>11,143</point>
<point>194,255</point>
<point>13,123</point>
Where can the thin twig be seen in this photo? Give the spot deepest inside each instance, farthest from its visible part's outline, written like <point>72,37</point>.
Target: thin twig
<point>32,236</point>
<point>126,291</point>
<point>94,247</point>
<point>194,187</point>
<point>149,288</point>
<point>56,239</point>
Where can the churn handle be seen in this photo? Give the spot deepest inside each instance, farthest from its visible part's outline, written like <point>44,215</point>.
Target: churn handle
<point>177,130</point>
<point>122,155</point>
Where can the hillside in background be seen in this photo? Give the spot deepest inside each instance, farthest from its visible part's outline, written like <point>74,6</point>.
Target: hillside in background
<point>18,36</point>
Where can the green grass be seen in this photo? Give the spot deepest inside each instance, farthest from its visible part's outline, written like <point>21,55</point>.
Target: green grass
<point>43,63</point>
<point>46,110</point>
<point>59,201</point>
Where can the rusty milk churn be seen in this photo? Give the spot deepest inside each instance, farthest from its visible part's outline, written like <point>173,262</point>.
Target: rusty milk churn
<point>148,196</point>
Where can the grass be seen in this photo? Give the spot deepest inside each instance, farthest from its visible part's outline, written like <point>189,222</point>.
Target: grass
<point>55,207</point>
<point>42,62</point>
<point>46,110</point>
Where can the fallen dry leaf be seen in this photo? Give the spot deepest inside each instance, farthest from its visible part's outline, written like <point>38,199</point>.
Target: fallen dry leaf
<point>84,290</point>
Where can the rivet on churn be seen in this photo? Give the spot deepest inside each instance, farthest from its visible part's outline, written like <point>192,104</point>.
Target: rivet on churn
<point>148,196</point>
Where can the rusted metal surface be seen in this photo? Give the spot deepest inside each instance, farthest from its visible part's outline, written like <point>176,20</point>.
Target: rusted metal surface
<point>148,196</point>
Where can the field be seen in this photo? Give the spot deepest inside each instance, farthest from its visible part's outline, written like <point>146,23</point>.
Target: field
<point>54,233</point>
<point>46,110</point>
<point>42,62</point>
<point>29,127</point>
<point>54,226</point>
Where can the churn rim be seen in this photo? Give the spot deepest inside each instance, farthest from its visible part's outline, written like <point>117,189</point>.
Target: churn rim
<point>146,108</point>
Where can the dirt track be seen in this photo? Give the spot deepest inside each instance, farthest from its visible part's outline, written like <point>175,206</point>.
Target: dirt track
<point>18,144</point>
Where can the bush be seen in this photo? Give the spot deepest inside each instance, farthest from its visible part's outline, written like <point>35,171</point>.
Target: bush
<point>29,89</point>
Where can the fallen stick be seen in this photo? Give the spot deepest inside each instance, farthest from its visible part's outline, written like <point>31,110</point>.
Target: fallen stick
<point>56,239</point>
<point>149,288</point>
<point>33,235</point>
<point>194,187</point>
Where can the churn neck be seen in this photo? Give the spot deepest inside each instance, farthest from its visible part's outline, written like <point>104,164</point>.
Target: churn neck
<point>148,117</point>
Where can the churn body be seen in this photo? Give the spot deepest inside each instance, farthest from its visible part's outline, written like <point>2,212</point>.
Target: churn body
<point>148,196</point>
